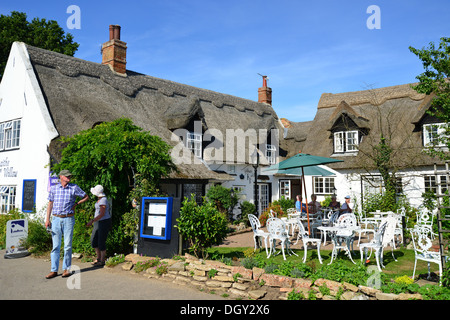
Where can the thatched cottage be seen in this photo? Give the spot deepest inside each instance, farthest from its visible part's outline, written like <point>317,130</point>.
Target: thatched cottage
<point>349,126</point>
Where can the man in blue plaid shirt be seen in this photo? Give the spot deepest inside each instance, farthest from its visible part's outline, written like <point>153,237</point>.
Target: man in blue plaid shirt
<point>61,206</point>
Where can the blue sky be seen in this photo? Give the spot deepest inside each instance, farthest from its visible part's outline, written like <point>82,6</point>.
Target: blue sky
<point>305,47</point>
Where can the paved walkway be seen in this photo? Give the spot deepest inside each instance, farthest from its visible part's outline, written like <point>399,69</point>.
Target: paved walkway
<point>24,279</point>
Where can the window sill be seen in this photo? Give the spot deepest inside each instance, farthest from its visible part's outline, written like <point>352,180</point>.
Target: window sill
<point>345,154</point>
<point>10,149</point>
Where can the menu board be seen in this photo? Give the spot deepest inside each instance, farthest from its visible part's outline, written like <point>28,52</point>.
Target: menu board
<point>156,217</point>
<point>29,195</point>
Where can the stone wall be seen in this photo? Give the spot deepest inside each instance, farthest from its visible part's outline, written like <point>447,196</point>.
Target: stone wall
<point>239,282</point>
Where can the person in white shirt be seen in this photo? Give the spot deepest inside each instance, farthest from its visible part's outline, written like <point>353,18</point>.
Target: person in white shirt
<point>102,225</point>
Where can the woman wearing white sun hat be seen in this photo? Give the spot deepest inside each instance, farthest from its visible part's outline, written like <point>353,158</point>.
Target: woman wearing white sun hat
<point>102,225</point>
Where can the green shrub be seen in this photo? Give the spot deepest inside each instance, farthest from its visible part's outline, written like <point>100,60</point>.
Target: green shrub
<point>339,271</point>
<point>38,240</point>
<point>285,203</point>
<point>201,225</point>
<point>115,260</point>
<point>144,265</point>
<point>249,262</point>
<point>225,199</point>
<point>295,295</point>
<point>246,209</point>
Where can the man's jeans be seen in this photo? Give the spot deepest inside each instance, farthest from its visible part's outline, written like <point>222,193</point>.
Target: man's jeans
<point>62,227</point>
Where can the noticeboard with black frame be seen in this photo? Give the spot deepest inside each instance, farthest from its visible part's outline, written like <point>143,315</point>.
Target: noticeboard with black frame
<point>156,217</point>
<point>29,195</point>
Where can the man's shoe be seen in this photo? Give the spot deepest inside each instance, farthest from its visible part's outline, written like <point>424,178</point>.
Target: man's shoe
<point>66,274</point>
<point>51,275</point>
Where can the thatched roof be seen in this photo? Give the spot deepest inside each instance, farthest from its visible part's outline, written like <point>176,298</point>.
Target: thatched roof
<point>295,136</point>
<point>80,94</point>
<point>391,111</point>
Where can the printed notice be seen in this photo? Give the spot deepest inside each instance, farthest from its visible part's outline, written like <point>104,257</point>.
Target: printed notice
<point>157,208</point>
<point>157,223</point>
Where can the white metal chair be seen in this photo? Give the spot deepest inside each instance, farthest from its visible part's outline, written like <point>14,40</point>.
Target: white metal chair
<point>302,234</point>
<point>347,224</point>
<point>401,214</point>
<point>362,221</point>
<point>330,220</point>
<point>425,219</point>
<point>421,237</point>
<point>272,214</point>
<point>382,238</point>
<point>291,211</point>
<point>292,219</point>
<point>316,223</point>
<point>257,232</point>
<point>277,231</point>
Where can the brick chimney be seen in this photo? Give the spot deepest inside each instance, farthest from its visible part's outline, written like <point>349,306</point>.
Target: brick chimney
<point>114,51</point>
<point>265,93</point>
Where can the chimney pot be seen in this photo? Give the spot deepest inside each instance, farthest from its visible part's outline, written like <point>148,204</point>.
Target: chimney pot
<point>114,51</point>
<point>114,32</point>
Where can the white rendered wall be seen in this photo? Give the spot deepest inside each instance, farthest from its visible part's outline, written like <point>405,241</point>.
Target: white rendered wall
<point>21,98</point>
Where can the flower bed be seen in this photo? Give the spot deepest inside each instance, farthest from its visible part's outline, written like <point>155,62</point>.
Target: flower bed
<point>256,283</point>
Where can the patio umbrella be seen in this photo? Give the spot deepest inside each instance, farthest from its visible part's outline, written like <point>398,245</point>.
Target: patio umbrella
<point>305,160</point>
<point>302,160</point>
<point>308,171</point>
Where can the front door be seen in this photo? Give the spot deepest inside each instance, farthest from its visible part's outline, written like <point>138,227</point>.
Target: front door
<point>263,197</point>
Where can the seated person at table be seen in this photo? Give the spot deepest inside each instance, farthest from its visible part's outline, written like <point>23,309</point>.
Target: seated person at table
<point>299,205</point>
<point>334,204</point>
<point>314,206</point>
<point>346,206</point>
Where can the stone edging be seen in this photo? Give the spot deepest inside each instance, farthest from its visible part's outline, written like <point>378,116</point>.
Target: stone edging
<point>239,282</point>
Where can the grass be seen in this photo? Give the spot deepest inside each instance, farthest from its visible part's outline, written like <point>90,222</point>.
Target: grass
<point>403,266</point>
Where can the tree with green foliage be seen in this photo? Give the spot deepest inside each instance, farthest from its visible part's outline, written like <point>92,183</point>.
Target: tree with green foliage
<point>435,81</point>
<point>42,33</point>
<point>225,199</point>
<point>122,158</point>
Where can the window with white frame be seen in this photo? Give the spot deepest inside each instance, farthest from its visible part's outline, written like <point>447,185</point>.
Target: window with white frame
<point>324,185</point>
<point>346,141</point>
<point>285,189</point>
<point>10,135</point>
<point>2,136</point>
<point>374,184</point>
<point>431,134</point>
<point>271,153</point>
<point>194,143</point>
<point>434,186</point>
<point>7,198</point>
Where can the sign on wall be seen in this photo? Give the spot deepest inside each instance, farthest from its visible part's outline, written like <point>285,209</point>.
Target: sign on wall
<point>29,195</point>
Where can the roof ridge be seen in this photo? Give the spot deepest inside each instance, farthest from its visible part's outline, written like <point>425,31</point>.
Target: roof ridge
<point>376,96</point>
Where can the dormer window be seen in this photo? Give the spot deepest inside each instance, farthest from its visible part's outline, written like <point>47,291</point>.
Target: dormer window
<point>194,143</point>
<point>347,129</point>
<point>271,153</point>
<point>433,133</point>
<point>346,141</point>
